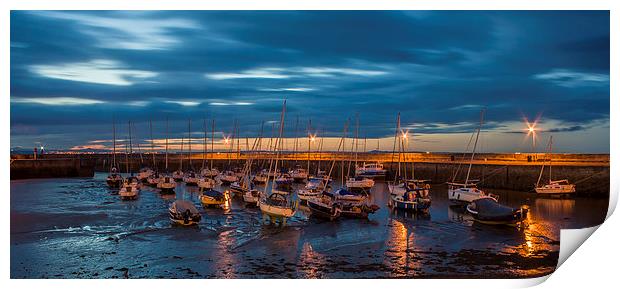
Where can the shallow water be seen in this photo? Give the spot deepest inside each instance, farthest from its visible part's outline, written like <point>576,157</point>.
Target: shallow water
<point>75,228</point>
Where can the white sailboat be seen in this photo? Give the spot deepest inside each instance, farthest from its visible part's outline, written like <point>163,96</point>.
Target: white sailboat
<point>114,179</point>
<point>130,189</point>
<point>178,174</point>
<point>166,183</point>
<point>558,187</point>
<point>206,179</point>
<point>358,182</point>
<point>277,206</point>
<point>466,192</point>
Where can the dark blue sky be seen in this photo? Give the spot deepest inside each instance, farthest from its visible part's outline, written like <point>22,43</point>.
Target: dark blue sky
<point>72,72</point>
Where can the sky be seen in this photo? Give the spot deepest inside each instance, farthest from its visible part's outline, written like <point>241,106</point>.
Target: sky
<point>75,73</point>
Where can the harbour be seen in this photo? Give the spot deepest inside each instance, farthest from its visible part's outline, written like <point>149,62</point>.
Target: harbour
<point>76,228</point>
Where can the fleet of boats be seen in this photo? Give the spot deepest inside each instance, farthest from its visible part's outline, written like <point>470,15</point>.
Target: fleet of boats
<point>268,186</point>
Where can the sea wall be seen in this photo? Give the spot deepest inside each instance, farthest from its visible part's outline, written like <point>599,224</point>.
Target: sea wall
<point>51,168</point>
<point>590,172</point>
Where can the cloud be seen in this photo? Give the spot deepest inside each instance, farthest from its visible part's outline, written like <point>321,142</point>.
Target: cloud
<point>184,102</point>
<point>132,33</point>
<point>298,72</point>
<point>570,78</point>
<point>99,71</point>
<point>225,103</point>
<point>294,89</point>
<point>56,101</point>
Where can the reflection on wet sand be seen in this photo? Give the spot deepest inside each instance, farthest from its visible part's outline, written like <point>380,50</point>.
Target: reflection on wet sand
<point>54,222</point>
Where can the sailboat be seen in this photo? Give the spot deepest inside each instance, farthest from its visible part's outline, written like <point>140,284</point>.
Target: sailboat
<point>558,187</point>
<point>407,194</point>
<point>206,179</point>
<point>466,192</point>
<point>153,179</point>
<point>114,179</point>
<point>190,177</point>
<point>178,174</point>
<point>251,195</point>
<point>358,182</point>
<point>277,205</point>
<point>131,185</point>
<point>166,183</point>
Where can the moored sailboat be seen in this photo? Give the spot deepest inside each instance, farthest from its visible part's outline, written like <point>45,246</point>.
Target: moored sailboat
<point>277,206</point>
<point>131,185</point>
<point>466,192</point>
<point>114,179</point>
<point>557,187</point>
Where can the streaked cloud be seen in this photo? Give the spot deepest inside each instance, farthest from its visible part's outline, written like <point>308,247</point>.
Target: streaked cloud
<point>101,71</point>
<point>56,101</point>
<point>127,32</point>
<point>294,89</point>
<point>184,102</point>
<point>294,72</point>
<point>570,78</point>
<point>225,103</point>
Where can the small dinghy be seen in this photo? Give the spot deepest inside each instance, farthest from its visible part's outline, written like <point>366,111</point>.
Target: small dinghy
<point>487,210</point>
<point>212,198</point>
<point>190,178</point>
<point>166,184</point>
<point>184,213</point>
<point>325,207</point>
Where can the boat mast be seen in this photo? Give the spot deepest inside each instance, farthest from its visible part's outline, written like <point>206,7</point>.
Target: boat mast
<point>189,143</point>
<point>166,144</point>
<point>394,146</point>
<point>204,143</point>
<point>130,149</point>
<point>473,152</point>
<point>357,131</point>
<point>309,140</point>
<point>550,155</point>
<point>212,140</point>
<point>113,144</point>
<point>276,149</point>
<point>152,144</point>
<point>181,163</point>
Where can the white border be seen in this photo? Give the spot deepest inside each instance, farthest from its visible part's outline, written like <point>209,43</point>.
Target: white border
<point>593,264</point>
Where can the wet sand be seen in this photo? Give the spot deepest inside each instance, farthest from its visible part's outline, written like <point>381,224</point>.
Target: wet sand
<point>75,228</point>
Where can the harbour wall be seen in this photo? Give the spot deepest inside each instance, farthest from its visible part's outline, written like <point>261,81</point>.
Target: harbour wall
<point>591,173</point>
<point>51,168</point>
